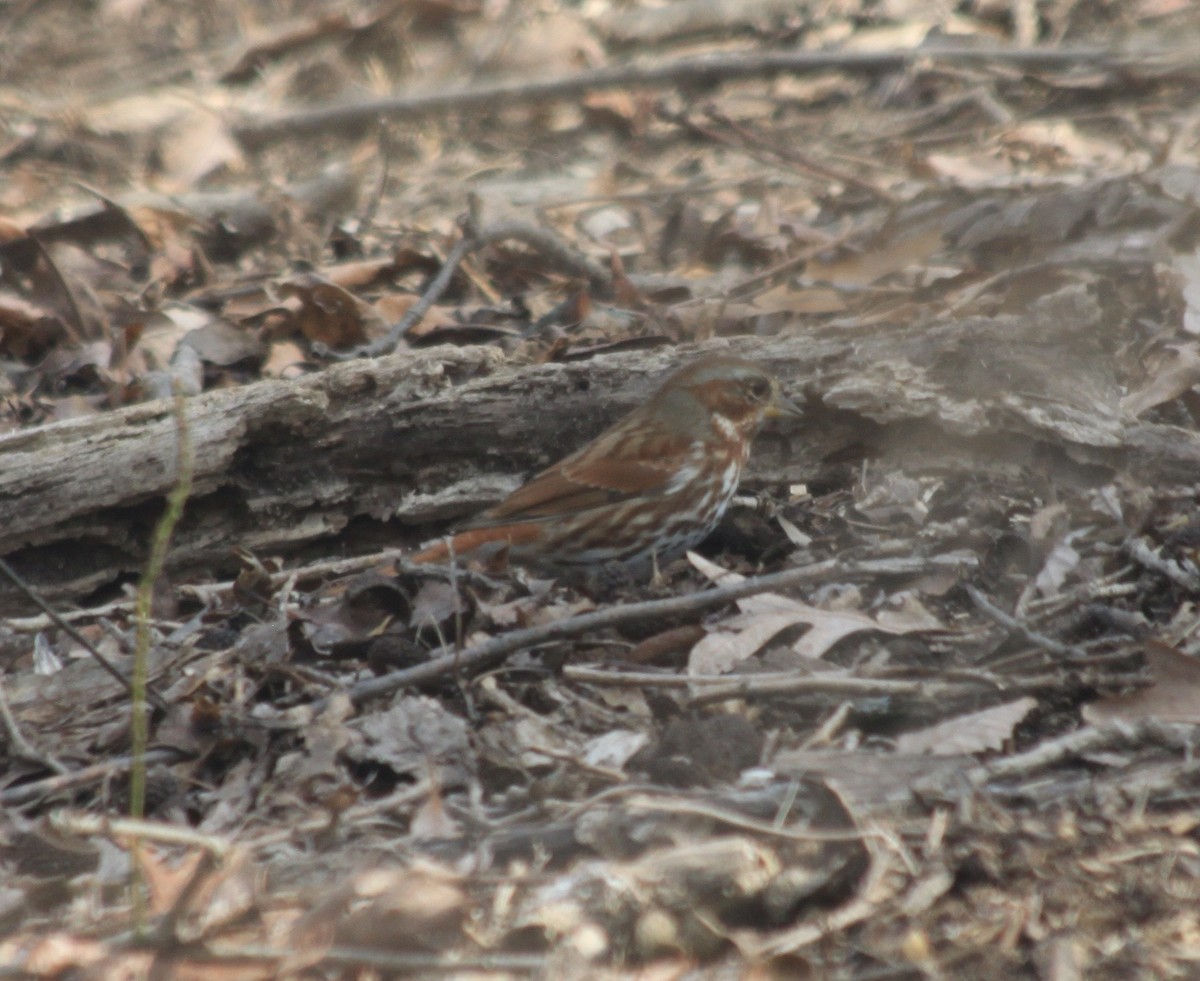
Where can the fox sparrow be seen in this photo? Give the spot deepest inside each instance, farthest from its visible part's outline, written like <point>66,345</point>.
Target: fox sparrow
<point>649,487</point>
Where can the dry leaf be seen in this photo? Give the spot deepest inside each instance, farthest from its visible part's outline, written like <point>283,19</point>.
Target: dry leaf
<point>713,572</point>
<point>1173,697</point>
<point>285,359</point>
<point>723,650</point>
<point>614,748</point>
<point>767,614</point>
<point>794,534</point>
<point>1060,563</point>
<point>196,144</point>
<point>976,732</point>
<point>787,299</point>
<point>432,820</point>
<point>412,736</point>
<point>330,314</point>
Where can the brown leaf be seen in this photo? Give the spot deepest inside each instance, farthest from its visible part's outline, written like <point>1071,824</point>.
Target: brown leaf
<point>976,732</point>
<point>285,359</point>
<point>195,145</point>
<point>1173,697</point>
<point>330,314</point>
<point>767,614</point>
<point>414,735</point>
<point>222,344</point>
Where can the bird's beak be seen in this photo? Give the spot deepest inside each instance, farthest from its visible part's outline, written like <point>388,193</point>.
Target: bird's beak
<point>783,408</point>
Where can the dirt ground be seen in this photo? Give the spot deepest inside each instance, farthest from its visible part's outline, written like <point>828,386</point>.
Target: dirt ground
<point>289,288</point>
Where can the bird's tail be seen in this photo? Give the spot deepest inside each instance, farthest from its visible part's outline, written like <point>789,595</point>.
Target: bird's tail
<point>473,538</point>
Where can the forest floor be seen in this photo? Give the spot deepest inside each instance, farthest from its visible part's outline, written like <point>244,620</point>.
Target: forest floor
<point>923,706</point>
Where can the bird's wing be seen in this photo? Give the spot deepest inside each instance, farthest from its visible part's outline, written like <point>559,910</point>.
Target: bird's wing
<point>602,473</point>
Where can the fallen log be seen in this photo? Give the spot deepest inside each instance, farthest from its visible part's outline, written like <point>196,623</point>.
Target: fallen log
<point>386,451</point>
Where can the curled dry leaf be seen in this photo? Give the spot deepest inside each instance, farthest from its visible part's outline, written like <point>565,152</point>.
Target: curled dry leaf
<point>436,604</point>
<point>414,735</point>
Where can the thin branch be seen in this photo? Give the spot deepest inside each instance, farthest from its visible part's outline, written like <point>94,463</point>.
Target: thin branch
<point>721,687</point>
<point>34,597</point>
<point>541,239</point>
<point>1089,739</point>
<point>18,745</point>
<point>752,141</point>
<point>492,651</point>
<point>1181,575</point>
<point>390,961</point>
<point>97,825</point>
<point>351,119</point>
<point>35,790</point>
<point>1010,622</point>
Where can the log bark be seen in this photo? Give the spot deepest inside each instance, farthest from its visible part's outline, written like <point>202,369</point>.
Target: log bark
<point>387,451</point>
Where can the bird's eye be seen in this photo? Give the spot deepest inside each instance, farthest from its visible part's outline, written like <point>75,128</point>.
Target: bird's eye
<point>759,389</point>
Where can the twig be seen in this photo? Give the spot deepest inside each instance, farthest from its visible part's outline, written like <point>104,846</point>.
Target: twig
<point>721,687</point>
<point>714,812</point>
<point>1089,739</point>
<point>549,244</point>
<point>1010,622</point>
<point>167,931</point>
<point>207,592</point>
<point>1180,575</point>
<point>354,118</point>
<point>491,651</point>
<point>389,961</point>
<point>782,270</point>
<point>18,745</point>
<point>27,792</point>
<point>433,293</point>
<point>96,825</point>
<point>790,155</point>
<point>371,209</point>
<point>541,239</point>
<point>353,815</point>
<point>879,885</point>
<point>74,634</point>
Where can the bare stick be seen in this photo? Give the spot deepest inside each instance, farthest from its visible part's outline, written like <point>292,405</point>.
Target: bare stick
<point>1010,622</point>
<point>71,632</point>
<point>26,793</point>
<point>18,745</point>
<point>1089,739</point>
<point>1182,576</point>
<point>353,118</point>
<point>541,239</point>
<point>496,649</point>
<point>88,825</point>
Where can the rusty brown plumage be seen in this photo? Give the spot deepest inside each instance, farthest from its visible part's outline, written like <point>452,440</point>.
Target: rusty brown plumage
<point>650,486</point>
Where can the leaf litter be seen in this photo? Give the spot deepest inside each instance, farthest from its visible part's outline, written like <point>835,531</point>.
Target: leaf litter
<point>956,743</point>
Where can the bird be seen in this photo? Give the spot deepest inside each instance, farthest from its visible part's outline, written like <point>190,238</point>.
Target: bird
<point>648,488</point>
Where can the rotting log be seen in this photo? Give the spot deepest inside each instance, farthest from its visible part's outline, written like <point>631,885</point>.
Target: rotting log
<point>386,451</point>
